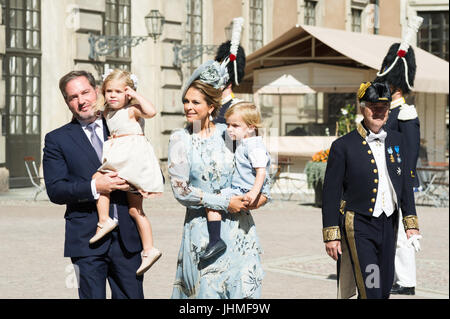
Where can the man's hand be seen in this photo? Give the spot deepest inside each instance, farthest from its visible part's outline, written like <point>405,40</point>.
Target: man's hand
<point>237,204</point>
<point>411,232</point>
<point>106,183</point>
<point>333,248</point>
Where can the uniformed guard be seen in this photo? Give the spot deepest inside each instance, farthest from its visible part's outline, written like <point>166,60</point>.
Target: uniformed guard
<point>235,53</point>
<point>398,70</point>
<point>366,182</point>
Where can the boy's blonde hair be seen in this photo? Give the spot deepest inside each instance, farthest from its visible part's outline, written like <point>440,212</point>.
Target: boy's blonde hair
<point>116,74</point>
<point>248,112</point>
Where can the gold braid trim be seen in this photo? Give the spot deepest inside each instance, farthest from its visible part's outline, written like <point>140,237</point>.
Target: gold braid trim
<point>342,208</point>
<point>331,233</point>
<point>411,222</point>
<point>362,89</point>
<point>361,130</point>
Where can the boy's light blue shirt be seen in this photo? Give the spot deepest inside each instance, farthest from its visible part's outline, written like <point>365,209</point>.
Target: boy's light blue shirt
<point>250,153</point>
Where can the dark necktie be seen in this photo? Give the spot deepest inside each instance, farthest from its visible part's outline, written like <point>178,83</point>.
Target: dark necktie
<point>95,140</point>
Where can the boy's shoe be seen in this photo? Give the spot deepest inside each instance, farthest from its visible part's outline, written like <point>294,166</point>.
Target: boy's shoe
<point>214,251</point>
<point>105,228</point>
<point>148,259</point>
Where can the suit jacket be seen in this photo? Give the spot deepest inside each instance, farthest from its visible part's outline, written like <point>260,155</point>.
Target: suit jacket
<point>352,176</point>
<point>408,124</point>
<point>69,162</point>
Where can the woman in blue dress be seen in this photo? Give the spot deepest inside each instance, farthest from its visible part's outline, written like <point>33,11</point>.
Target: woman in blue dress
<point>200,164</point>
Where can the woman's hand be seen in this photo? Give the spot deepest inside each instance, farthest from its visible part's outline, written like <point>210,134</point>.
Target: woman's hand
<point>237,204</point>
<point>250,197</point>
<point>260,201</point>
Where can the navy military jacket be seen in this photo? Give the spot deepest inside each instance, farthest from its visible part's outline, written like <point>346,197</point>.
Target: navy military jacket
<point>408,124</point>
<point>223,109</point>
<point>352,176</point>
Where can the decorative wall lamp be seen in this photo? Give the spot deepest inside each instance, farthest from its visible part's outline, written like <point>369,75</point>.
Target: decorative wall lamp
<point>187,53</point>
<point>106,44</point>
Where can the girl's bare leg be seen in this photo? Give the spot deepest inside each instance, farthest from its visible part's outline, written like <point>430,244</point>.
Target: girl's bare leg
<point>150,254</point>
<point>103,216</point>
<point>102,205</point>
<point>143,224</point>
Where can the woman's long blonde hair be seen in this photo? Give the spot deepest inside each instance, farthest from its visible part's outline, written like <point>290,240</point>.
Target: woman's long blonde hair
<point>248,112</point>
<point>116,74</point>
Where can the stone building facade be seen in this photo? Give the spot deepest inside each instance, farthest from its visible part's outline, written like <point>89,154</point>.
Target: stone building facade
<point>41,40</point>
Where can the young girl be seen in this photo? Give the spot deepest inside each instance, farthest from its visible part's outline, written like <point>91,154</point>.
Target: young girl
<point>252,162</point>
<point>131,155</point>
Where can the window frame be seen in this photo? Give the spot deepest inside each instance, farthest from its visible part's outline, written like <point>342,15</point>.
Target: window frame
<point>120,58</point>
<point>191,35</point>
<point>354,25</point>
<point>254,42</point>
<point>23,53</point>
<point>310,6</point>
<point>443,28</point>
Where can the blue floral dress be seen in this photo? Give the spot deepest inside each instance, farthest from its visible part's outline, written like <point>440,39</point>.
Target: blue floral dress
<point>199,168</point>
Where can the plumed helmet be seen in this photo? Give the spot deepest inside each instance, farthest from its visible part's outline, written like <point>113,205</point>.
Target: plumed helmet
<point>396,77</point>
<point>223,52</point>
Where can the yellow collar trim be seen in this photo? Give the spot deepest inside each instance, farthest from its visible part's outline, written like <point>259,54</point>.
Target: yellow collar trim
<point>397,102</point>
<point>361,130</point>
<point>228,98</point>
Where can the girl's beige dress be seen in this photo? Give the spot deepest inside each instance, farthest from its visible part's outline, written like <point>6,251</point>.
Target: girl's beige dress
<point>130,153</point>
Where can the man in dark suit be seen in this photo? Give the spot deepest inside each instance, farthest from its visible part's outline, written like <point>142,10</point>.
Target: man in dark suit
<point>72,154</point>
<point>367,180</point>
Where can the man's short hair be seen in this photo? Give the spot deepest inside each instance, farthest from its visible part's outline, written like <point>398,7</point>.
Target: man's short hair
<point>73,75</point>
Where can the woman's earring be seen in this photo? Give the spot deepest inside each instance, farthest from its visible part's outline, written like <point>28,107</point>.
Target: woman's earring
<point>210,118</point>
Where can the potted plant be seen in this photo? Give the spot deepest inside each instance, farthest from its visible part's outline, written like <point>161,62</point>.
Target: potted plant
<point>347,121</point>
<point>315,174</point>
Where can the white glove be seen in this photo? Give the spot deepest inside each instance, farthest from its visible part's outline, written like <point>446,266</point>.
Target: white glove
<point>414,241</point>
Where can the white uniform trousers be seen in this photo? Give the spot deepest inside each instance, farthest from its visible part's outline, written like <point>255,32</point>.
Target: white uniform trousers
<point>405,259</point>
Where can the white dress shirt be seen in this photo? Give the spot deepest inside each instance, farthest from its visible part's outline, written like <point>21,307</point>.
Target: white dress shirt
<point>99,131</point>
<point>386,200</point>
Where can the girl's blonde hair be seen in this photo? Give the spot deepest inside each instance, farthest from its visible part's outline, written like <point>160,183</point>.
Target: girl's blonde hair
<point>116,74</point>
<point>248,112</point>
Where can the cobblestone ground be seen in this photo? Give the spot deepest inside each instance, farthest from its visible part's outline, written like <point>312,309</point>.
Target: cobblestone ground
<point>295,263</point>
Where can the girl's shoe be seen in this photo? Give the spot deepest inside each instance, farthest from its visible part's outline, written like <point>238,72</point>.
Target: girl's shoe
<point>148,259</point>
<point>105,228</point>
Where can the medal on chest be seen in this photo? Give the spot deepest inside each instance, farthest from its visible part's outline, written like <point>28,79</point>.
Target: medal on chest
<point>391,156</point>
<point>397,151</point>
